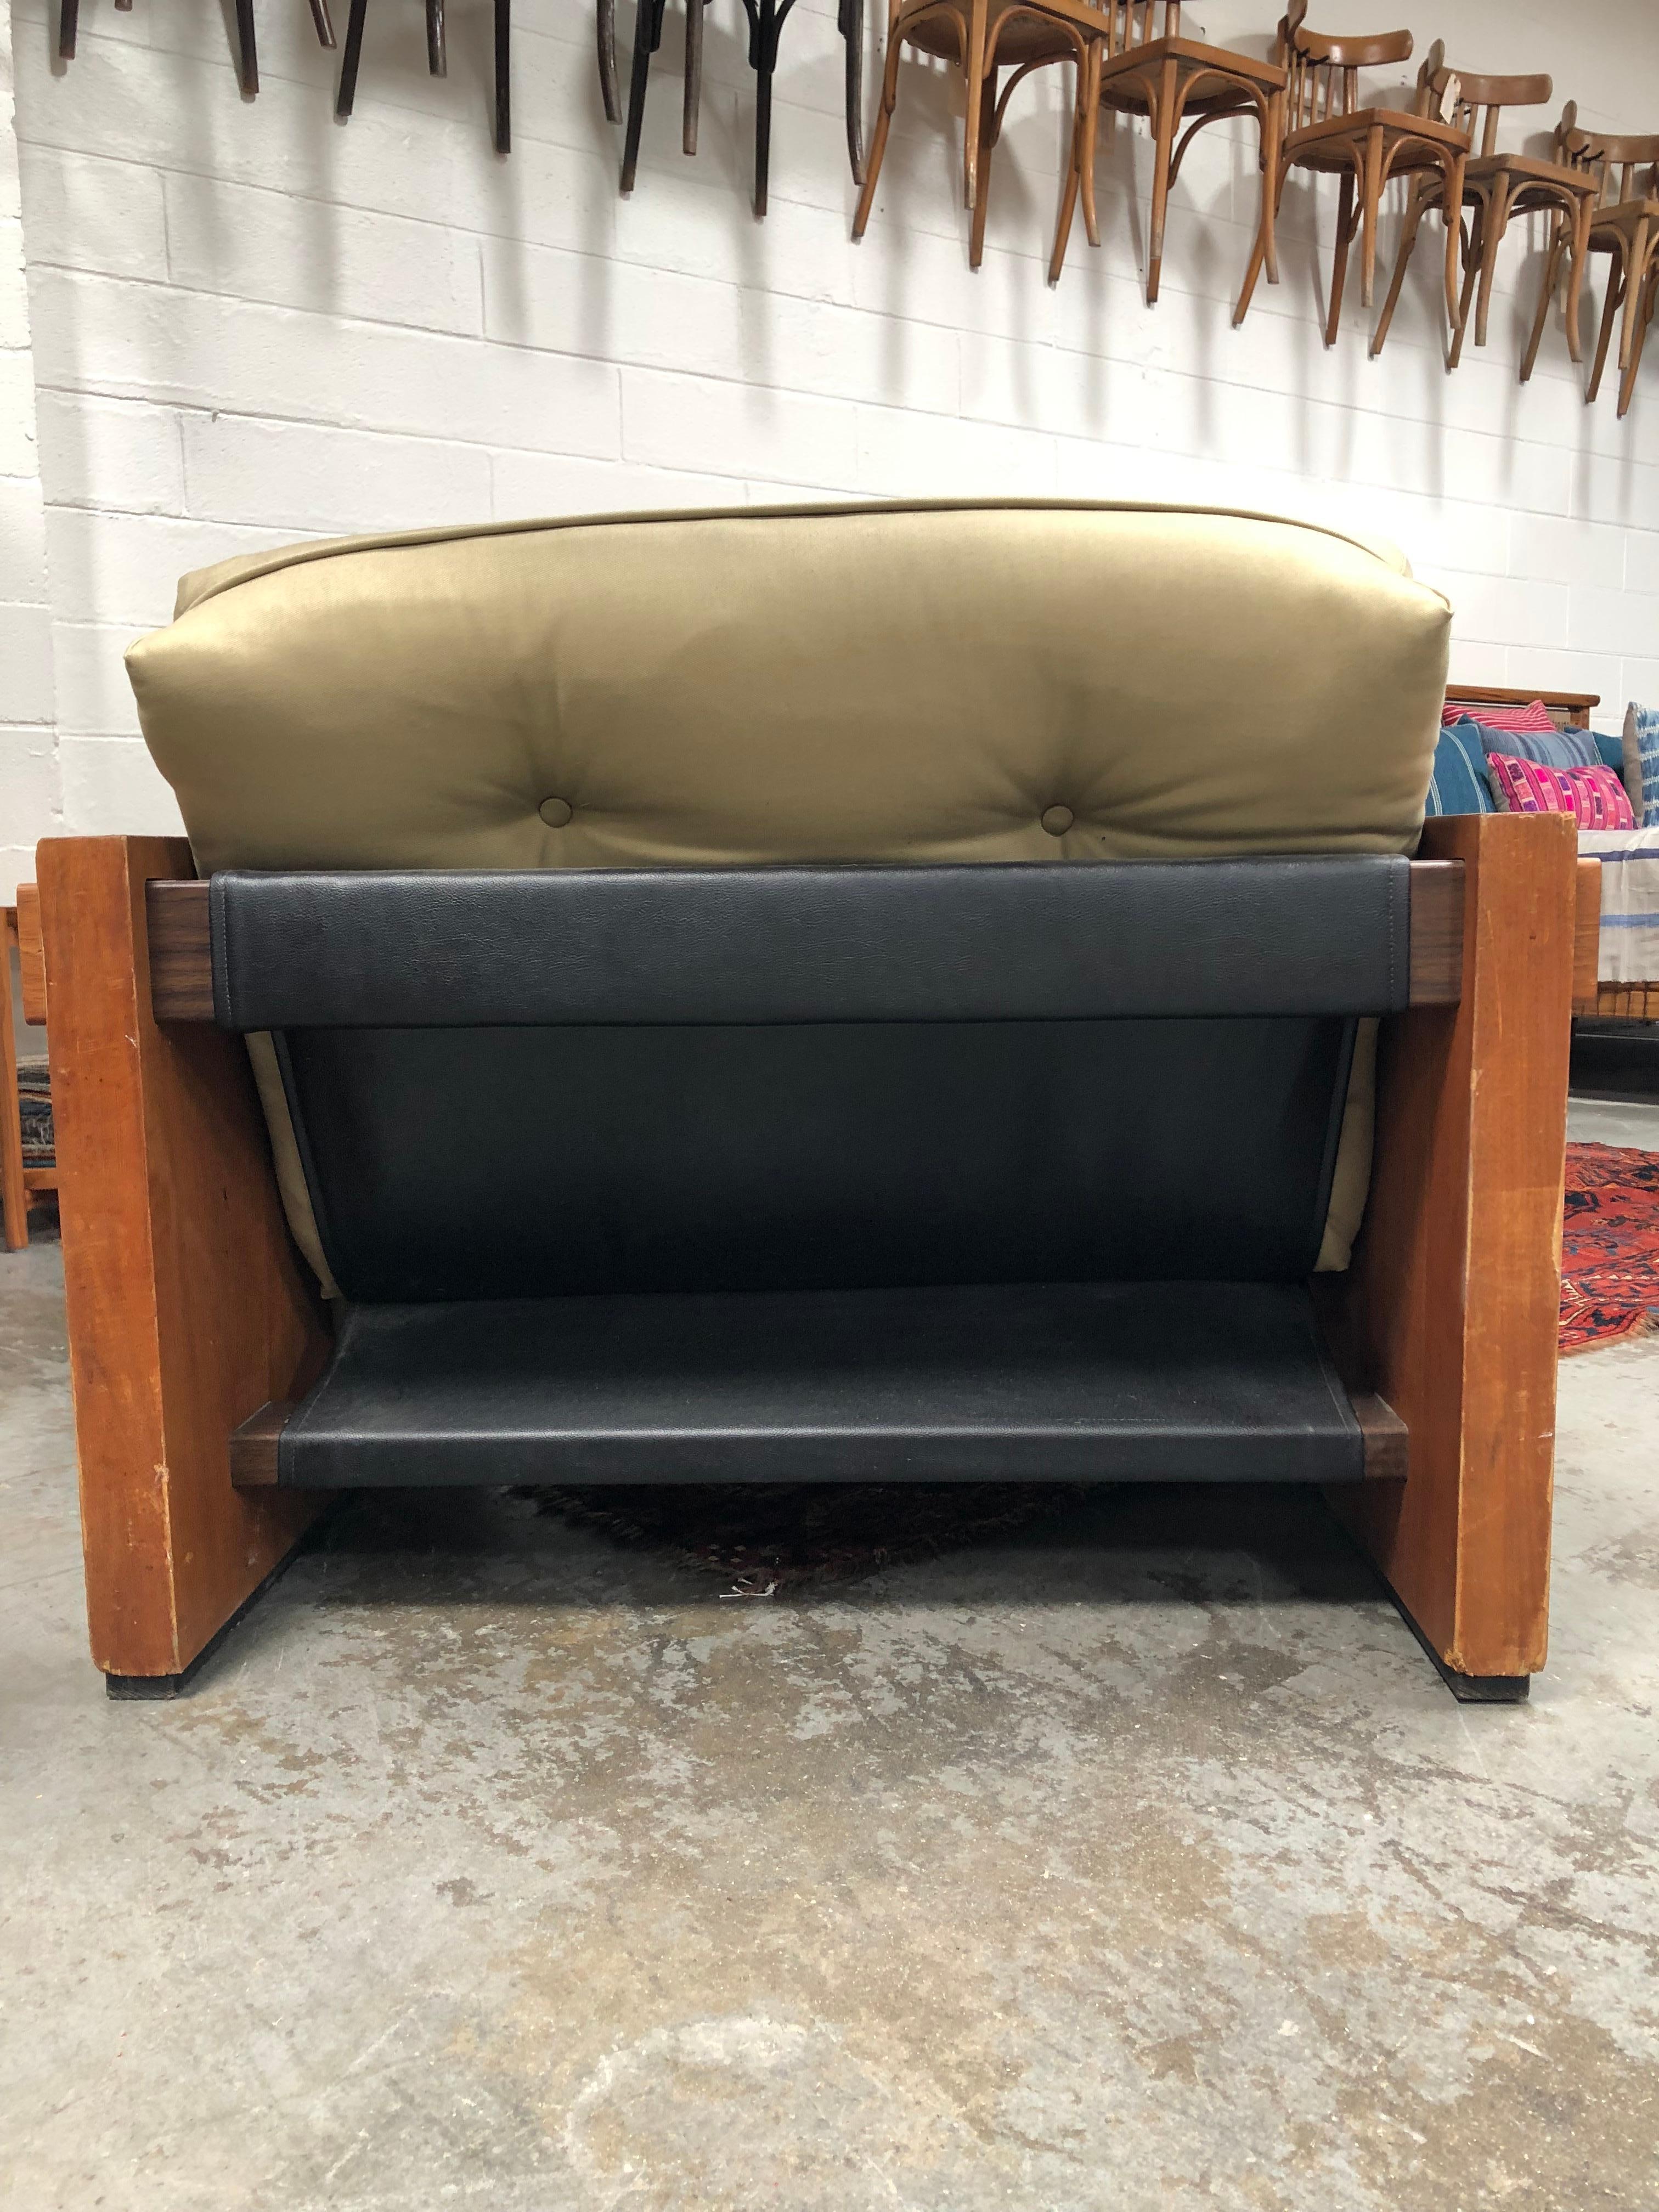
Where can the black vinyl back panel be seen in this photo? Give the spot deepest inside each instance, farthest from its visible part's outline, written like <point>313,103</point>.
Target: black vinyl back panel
<point>511,1163</point>
<point>971,942</point>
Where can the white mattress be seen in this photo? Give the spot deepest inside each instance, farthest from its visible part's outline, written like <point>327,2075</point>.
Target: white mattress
<point>1630,902</point>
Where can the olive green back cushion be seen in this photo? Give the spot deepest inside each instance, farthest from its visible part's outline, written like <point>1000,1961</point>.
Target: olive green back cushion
<point>945,682</point>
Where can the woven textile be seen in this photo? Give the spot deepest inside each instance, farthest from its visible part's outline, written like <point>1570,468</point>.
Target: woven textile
<point>1559,749</point>
<point>1594,797</point>
<point>1609,1246</point>
<point>1457,781</point>
<point>1642,763</point>
<point>1537,717</point>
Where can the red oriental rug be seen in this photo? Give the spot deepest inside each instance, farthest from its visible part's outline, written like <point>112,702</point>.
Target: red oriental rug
<point>1609,1246</point>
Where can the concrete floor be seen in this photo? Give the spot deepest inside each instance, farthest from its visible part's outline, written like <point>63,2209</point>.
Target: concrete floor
<point>1140,1861</point>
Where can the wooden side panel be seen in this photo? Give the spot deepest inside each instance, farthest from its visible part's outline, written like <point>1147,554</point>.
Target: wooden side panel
<point>188,1309</point>
<point>30,954</point>
<point>1450,1309</point>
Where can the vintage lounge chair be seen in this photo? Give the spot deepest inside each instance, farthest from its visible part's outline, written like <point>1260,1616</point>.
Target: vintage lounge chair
<point>827,993</point>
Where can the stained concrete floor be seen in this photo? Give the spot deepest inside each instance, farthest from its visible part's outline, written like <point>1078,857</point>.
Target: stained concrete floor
<point>1140,1861</point>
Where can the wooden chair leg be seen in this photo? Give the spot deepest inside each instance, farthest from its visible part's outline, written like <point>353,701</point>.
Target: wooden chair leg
<point>648,36</point>
<point>14,1191</point>
<point>1547,296</point>
<point>1416,209</point>
<point>1451,1308</point>
<point>987,139</point>
<point>437,43</point>
<point>878,143</point>
<point>247,51</point>
<point>503,76</point>
<point>1344,228</point>
<point>1272,177</point>
<point>1090,148</point>
<point>1472,266</point>
<point>323,23</point>
<point>1370,202</point>
<point>1636,268</point>
<point>1577,231</point>
<point>1645,295</point>
<point>693,97</point>
<point>1494,221</point>
<point>765,50</point>
<point>188,1307</point>
<point>69,17</point>
<point>1452,215</point>
<point>604,31</point>
<point>850,20</point>
<point>1166,115</point>
<point>1272,131</point>
<point>1068,198</point>
<point>350,57</point>
<point>1610,313</point>
<point>973,64</point>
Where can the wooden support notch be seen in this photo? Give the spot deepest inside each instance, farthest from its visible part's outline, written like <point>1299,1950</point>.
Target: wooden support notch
<point>253,1446</point>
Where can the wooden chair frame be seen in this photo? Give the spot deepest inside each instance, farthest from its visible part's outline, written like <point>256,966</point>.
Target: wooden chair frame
<point>189,1310</point>
<point>1327,131</point>
<point>1624,224</point>
<point>1169,81</point>
<point>766,22</point>
<point>983,38</point>
<point>437,58</point>
<point>1496,186</point>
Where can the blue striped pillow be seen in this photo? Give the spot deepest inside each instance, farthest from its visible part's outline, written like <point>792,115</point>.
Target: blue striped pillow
<point>1642,763</point>
<point>1457,782</point>
<point>1552,749</point>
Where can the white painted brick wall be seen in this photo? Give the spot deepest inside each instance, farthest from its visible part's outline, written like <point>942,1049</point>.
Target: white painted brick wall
<point>250,323</point>
<point>31,792</point>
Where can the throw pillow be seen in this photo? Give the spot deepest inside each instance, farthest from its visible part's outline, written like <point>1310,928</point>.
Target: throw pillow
<point>1560,748</point>
<point>1642,763</point>
<point>1535,717</point>
<point>1457,782</point>
<point>1593,796</point>
<point>1612,750</point>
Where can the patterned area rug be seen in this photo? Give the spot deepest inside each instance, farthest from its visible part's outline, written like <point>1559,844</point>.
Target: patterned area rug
<point>768,1537</point>
<point>1609,1247</point>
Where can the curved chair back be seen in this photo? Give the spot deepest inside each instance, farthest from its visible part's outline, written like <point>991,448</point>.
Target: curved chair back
<point>1476,102</point>
<point>1324,70</point>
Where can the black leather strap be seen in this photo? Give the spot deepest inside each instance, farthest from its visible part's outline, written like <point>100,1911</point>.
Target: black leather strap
<point>1210,1382</point>
<point>1056,942</point>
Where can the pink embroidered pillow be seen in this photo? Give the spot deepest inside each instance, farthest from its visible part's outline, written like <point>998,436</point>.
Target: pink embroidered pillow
<point>1535,719</point>
<point>1594,797</point>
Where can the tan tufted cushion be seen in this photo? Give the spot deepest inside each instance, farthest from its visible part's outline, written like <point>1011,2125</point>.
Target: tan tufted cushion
<point>1011,681</point>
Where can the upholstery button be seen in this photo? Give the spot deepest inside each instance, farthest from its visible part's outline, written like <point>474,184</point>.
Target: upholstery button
<point>556,812</point>
<point>1057,820</point>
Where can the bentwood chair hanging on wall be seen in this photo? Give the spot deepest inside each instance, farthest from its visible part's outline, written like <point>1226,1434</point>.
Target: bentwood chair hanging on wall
<point>1624,225</point>
<point>437,60</point>
<point>1327,131</point>
<point>1170,81</point>
<point>248,52</point>
<point>766,22</point>
<point>1496,186</point>
<point>983,38</point>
